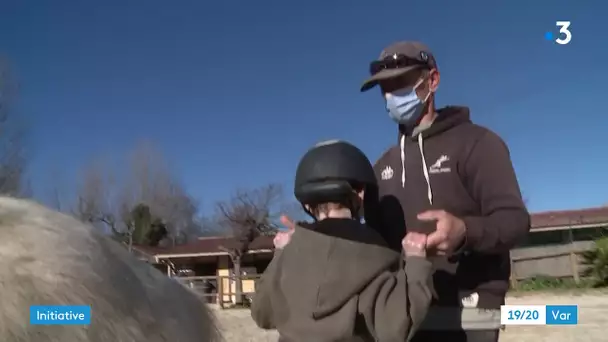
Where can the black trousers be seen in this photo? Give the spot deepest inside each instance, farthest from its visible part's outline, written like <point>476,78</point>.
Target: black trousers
<point>457,336</point>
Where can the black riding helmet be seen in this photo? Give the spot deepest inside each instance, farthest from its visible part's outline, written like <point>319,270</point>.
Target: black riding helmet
<point>331,171</point>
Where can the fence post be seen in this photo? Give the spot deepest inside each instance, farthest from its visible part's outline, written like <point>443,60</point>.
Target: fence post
<point>513,276</point>
<point>573,258</point>
<point>220,291</point>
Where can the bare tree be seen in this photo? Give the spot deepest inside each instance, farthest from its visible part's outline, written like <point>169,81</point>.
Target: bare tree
<point>108,201</point>
<point>247,215</point>
<point>55,199</point>
<point>209,227</point>
<point>151,182</point>
<point>56,191</point>
<point>96,199</point>
<point>12,139</point>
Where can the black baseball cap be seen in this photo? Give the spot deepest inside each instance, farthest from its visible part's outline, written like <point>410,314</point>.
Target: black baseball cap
<point>399,59</point>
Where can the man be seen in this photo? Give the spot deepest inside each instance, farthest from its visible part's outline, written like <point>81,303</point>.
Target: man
<point>454,181</point>
<point>48,258</point>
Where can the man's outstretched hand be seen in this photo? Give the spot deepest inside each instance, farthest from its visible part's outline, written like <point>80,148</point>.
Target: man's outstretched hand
<point>283,237</point>
<point>449,233</point>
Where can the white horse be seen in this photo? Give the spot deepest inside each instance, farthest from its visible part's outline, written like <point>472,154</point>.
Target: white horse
<point>49,258</point>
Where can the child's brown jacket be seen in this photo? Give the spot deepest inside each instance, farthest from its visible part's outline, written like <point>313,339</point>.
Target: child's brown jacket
<point>337,281</point>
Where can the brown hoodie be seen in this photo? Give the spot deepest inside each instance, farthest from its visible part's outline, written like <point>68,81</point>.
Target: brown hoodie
<point>337,281</point>
<point>464,169</point>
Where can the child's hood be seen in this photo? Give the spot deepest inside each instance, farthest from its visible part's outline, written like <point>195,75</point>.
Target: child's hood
<point>331,261</point>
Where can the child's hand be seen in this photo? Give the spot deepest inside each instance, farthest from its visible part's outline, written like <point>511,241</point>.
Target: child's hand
<point>414,244</point>
<point>282,238</point>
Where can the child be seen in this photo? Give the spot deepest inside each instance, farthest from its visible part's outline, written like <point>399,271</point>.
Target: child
<point>336,279</point>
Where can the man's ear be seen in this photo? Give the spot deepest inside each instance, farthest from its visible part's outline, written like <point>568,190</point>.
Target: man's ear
<point>434,78</point>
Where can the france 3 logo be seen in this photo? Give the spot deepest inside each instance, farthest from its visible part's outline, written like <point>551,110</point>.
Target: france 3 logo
<point>563,36</point>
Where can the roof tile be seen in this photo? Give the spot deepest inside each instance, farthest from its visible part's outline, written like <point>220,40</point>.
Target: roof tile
<point>206,245</point>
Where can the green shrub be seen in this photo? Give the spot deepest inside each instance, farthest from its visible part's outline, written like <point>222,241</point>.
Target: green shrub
<point>545,283</point>
<point>596,262</point>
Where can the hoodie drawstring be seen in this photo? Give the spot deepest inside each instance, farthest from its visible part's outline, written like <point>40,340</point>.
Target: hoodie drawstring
<point>424,166</point>
<point>425,170</point>
<point>402,145</point>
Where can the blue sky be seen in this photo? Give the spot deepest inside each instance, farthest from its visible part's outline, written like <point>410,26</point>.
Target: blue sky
<point>234,92</point>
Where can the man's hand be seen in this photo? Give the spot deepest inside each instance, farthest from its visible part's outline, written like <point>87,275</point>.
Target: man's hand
<point>449,233</point>
<point>282,238</point>
<point>414,244</point>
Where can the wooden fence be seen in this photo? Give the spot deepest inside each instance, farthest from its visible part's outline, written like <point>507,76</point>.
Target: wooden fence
<point>555,261</point>
<point>555,252</point>
<point>220,289</point>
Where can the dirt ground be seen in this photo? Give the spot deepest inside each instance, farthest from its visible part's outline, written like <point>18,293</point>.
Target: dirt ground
<point>237,325</point>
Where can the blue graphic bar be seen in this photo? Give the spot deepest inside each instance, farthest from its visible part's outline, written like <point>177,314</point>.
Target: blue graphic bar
<point>561,314</point>
<point>60,315</point>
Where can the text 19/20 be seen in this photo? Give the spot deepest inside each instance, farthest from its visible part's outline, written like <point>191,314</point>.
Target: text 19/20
<point>523,315</point>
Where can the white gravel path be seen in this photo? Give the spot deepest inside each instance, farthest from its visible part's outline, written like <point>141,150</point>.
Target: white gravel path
<point>237,325</point>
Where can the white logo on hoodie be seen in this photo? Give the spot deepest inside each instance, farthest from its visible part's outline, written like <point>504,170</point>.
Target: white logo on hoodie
<point>387,173</point>
<point>438,167</point>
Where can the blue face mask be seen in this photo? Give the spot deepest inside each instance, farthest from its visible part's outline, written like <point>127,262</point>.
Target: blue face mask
<point>404,106</point>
